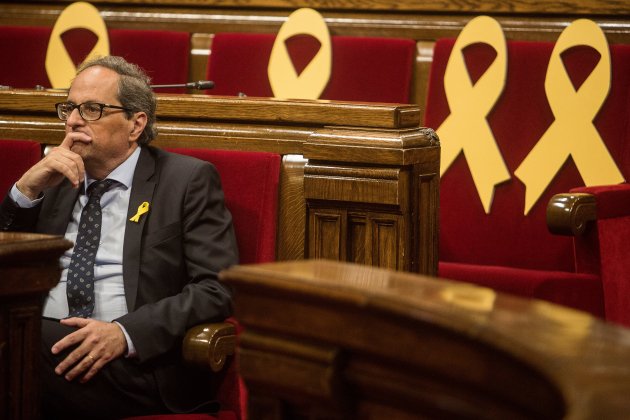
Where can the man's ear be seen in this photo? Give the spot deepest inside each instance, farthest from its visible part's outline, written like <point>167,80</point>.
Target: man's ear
<point>138,122</point>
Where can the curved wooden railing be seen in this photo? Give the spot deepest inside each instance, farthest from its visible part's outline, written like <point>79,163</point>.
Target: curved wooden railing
<point>325,339</point>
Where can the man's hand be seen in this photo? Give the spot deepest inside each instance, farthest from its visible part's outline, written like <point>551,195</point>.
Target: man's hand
<point>98,343</point>
<point>59,163</point>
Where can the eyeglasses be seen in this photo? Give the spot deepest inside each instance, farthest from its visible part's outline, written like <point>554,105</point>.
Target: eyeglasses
<point>89,111</point>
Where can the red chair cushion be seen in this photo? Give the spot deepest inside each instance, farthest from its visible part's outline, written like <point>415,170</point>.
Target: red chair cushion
<point>579,291</point>
<point>363,69</point>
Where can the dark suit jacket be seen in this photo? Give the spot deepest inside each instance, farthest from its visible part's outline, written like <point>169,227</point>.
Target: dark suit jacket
<point>171,259</point>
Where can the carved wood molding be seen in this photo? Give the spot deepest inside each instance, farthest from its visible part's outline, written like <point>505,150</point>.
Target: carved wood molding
<point>370,195</point>
<point>506,6</point>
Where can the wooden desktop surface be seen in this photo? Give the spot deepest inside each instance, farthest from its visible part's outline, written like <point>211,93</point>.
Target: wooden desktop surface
<point>325,339</point>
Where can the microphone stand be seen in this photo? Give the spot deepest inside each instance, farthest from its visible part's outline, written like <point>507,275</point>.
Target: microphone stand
<point>199,85</point>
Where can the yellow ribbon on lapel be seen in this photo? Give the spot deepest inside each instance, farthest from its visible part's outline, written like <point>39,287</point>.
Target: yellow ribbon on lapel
<point>59,65</point>
<point>572,133</point>
<point>142,209</point>
<point>466,128</point>
<point>310,83</point>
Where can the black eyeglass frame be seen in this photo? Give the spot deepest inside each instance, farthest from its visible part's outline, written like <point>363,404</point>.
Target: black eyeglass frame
<point>79,106</point>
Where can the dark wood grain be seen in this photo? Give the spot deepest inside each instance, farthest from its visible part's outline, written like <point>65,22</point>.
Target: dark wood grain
<point>362,342</point>
<point>29,268</point>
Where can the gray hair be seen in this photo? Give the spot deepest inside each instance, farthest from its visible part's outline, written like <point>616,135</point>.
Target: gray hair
<point>134,90</point>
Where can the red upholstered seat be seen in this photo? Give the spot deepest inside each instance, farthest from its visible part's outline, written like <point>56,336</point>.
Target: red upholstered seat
<point>164,55</point>
<point>505,249</point>
<point>250,182</point>
<point>16,156</point>
<point>363,69</point>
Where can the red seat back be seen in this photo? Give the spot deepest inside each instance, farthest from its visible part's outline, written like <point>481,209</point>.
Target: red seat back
<point>164,55</point>
<point>363,69</point>
<point>522,114</point>
<point>250,183</point>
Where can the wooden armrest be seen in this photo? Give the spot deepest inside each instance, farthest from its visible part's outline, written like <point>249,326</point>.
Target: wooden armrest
<point>568,213</point>
<point>209,345</point>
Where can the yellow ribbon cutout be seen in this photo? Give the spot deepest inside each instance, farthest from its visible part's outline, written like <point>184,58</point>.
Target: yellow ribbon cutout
<point>466,128</point>
<point>572,133</point>
<point>311,82</point>
<point>142,208</point>
<point>59,65</point>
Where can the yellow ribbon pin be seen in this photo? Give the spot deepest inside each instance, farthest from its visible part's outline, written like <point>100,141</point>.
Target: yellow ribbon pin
<point>142,208</point>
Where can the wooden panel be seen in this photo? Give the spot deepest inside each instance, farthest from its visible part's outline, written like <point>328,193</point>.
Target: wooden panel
<point>386,242</point>
<point>29,268</point>
<point>386,344</point>
<point>387,223</point>
<point>325,234</point>
<point>291,209</point>
<point>358,239</point>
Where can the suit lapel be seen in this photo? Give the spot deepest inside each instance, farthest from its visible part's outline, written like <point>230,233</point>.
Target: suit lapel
<point>143,186</point>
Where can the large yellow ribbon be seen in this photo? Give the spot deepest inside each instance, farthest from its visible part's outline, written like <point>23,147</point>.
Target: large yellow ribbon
<point>572,133</point>
<point>466,128</point>
<point>59,65</point>
<point>310,83</point>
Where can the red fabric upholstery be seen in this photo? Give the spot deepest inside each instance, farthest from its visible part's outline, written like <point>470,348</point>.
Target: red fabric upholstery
<point>363,69</point>
<point>611,239</point>
<point>477,247</point>
<point>581,291</point>
<point>250,182</point>
<point>24,52</point>
<point>16,156</point>
<point>164,55</point>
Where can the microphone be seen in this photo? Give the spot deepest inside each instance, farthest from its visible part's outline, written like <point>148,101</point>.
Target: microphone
<point>199,85</point>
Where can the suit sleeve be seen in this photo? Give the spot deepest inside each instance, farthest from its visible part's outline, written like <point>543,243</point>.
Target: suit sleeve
<point>14,218</point>
<point>206,245</point>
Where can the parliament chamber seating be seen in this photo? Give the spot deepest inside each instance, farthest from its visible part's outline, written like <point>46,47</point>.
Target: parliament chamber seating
<point>516,253</point>
<point>365,69</point>
<point>336,199</point>
<point>164,55</point>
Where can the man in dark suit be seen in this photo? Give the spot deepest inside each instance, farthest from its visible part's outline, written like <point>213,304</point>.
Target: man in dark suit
<point>165,236</point>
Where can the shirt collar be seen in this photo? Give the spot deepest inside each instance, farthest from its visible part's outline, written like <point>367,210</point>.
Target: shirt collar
<point>123,172</point>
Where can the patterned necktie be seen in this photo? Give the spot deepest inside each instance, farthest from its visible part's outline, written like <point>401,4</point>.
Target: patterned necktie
<point>80,281</point>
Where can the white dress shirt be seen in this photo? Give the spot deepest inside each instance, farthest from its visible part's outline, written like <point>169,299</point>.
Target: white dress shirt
<point>109,293</point>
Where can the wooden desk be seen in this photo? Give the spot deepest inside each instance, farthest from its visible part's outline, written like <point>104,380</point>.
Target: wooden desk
<point>359,181</point>
<point>332,340</point>
<point>29,268</point>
